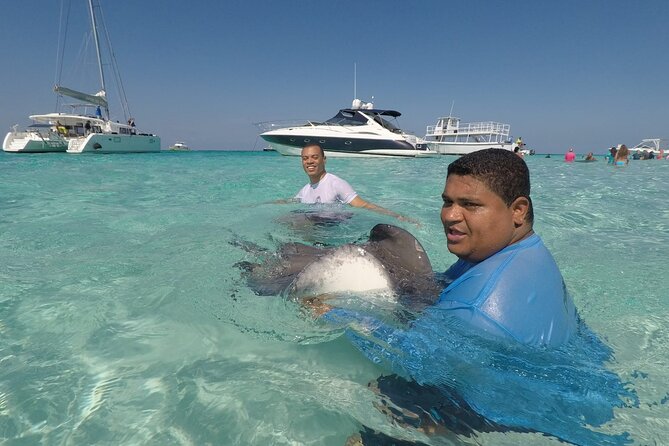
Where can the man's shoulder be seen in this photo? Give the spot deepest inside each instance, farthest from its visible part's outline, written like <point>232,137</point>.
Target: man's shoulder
<point>335,181</point>
<point>305,187</point>
<point>517,292</point>
<point>522,260</point>
<point>330,177</point>
<point>514,266</point>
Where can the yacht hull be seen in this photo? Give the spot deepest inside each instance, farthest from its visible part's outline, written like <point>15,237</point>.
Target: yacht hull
<point>291,145</point>
<point>24,142</point>
<point>114,143</point>
<point>450,148</point>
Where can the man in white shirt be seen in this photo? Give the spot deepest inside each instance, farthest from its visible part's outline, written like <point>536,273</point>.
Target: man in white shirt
<point>324,187</point>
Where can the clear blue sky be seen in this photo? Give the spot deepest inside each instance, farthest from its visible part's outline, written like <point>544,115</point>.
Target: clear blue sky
<point>587,74</point>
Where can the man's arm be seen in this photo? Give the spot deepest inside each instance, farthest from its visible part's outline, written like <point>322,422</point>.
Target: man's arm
<point>360,203</point>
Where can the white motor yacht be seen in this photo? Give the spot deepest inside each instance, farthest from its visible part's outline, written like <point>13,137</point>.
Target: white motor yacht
<point>357,131</point>
<point>450,137</point>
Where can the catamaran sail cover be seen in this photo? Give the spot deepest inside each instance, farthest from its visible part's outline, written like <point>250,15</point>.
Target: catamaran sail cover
<point>96,99</point>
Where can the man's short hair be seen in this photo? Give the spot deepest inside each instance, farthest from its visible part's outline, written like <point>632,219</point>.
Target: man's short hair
<point>502,171</point>
<point>315,145</point>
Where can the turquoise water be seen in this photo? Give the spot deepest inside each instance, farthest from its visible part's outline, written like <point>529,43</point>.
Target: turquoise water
<point>124,321</point>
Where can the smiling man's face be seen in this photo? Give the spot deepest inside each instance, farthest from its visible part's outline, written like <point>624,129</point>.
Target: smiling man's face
<point>313,162</point>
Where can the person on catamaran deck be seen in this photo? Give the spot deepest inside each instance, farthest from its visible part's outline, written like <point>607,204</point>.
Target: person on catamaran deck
<point>324,187</point>
<point>61,129</point>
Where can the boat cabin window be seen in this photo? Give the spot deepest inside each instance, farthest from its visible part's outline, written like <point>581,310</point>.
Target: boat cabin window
<point>347,118</point>
<point>79,130</point>
<point>387,124</point>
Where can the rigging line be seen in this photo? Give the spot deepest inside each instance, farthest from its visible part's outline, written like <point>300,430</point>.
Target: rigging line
<point>62,39</point>
<point>115,70</point>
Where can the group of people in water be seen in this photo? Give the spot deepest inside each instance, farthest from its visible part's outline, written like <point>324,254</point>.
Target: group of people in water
<point>487,216</point>
<point>619,156</point>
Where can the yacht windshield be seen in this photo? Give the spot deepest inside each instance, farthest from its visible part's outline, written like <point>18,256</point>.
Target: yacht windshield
<point>387,124</point>
<point>347,118</point>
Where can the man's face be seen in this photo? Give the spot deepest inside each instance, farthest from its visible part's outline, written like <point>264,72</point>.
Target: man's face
<point>476,221</point>
<point>313,162</point>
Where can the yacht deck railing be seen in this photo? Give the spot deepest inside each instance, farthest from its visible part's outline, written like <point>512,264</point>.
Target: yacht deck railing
<point>480,128</point>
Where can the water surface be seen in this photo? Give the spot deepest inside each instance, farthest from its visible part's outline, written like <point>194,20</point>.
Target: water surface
<point>124,320</point>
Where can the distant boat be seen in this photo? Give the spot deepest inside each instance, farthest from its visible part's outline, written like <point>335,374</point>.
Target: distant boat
<point>357,131</point>
<point>651,145</point>
<point>83,132</point>
<point>450,137</point>
<point>179,146</point>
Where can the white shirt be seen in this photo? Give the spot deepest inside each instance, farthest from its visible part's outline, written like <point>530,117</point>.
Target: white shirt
<point>330,189</point>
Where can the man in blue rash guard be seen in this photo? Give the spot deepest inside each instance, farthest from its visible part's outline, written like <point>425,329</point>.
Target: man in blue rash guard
<point>505,285</point>
<point>505,282</point>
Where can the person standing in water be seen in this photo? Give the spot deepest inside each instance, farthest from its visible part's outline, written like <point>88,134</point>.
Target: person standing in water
<point>324,187</point>
<point>570,156</point>
<point>622,156</point>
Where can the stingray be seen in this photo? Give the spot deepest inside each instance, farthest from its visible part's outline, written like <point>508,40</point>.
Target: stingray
<point>391,261</point>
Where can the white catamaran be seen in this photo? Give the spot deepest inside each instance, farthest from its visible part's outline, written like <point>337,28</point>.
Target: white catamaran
<point>82,132</point>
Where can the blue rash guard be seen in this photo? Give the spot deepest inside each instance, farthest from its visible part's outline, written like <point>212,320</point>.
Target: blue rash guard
<point>517,293</point>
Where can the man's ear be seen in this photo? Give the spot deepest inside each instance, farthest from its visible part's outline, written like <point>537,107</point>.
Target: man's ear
<point>520,207</point>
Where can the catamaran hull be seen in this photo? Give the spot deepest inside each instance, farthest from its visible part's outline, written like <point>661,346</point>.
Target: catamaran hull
<point>21,142</point>
<point>291,145</point>
<point>449,148</point>
<point>111,143</point>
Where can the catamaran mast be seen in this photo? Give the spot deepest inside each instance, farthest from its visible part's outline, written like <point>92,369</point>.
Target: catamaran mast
<point>97,49</point>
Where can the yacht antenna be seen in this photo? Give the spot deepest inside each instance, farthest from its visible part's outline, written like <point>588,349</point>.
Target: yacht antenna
<point>355,80</point>
<point>450,113</point>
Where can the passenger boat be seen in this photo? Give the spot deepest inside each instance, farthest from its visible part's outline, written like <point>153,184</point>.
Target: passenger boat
<point>360,130</point>
<point>451,137</point>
